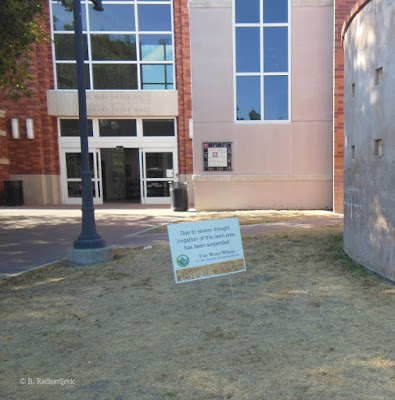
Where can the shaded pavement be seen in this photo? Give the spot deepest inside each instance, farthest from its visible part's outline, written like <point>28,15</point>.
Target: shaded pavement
<point>34,236</point>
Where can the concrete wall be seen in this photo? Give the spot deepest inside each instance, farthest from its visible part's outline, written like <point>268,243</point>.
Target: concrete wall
<point>280,165</point>
<point>39,189</point>
<point>369,179</point>
<point>117,103</point>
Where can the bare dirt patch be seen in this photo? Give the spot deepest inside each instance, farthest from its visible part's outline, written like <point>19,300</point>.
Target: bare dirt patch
<point>308,323</point>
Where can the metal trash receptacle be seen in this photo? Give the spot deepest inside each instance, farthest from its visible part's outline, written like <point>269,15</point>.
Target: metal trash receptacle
<point>179,196</point>
<point>13,193</point>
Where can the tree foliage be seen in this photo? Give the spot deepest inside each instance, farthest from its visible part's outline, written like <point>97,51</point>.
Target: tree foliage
<point>21,27</point>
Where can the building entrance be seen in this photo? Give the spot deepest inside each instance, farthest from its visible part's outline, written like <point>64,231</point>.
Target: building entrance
<point>130,175</point>
<point>131,160</point>
<point>121,175</point>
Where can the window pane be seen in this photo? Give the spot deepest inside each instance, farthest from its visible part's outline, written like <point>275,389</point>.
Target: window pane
<point>73,164</point>
<point>276,97</point>
<point>118,17</point>
<point>65,47</point>
<point>156,76</point>
<point>157,164</point>
<point>71,127</point>
<point>113,47</point>
<point>115,76</point>
<point>159,86</point>
<point>158,189</point>
<point>169,76</point>
<point>276,49</point>
<point>74,189</point>
<point>248,98</point>
<point>67,76</point>
<point>154,17</point>
<point>117,127</point>
<point>63,20</point>
<point>158,127</point>
<point>247,50</point>
<point>247,11</point>
<point>275,11</point>
<point>156,48</point>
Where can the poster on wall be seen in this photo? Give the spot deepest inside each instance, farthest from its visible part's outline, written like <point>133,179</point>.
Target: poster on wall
<point>201,250</point>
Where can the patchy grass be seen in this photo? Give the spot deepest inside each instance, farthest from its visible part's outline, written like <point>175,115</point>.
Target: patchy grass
<point>251,217</point>
<point>303,322</point>
<point>224,267</point>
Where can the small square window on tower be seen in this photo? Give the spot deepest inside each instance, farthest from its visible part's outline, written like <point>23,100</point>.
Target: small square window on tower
<point>353,152</point>
<point>378,147</point>
<point>378,76</point>
<point>353,90</point>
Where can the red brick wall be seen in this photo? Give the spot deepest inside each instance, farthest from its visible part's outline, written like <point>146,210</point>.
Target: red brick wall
<point>342,9</point>
<point>183,78</point>
<point>4,175</point>
<point>38,155</point>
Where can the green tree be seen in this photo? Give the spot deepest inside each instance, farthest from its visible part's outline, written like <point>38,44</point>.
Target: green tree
<point>254,115</point>
<point>21,27</point>
<point>21,24</point>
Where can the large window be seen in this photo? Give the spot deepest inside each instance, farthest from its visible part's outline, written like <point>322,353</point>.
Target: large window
<point>132,128</point>
<point>129,45</point>
<point>262,60</point>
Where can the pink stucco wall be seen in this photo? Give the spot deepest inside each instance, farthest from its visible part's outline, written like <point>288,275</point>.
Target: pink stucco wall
<point>275,165</point>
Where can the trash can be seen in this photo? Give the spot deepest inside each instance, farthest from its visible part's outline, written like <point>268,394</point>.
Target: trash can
<point>13,193</point>
<point>179,196</point>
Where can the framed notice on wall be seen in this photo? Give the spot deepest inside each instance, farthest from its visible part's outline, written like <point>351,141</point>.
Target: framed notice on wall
<point>217,156</point>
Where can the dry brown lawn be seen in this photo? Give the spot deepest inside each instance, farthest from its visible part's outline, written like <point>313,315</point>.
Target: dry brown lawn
<point>201,272</point>
<point>302,323</point>
<point>250,217</point>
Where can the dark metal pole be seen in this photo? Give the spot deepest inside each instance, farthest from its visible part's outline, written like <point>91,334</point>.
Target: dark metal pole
<point>88,238</point>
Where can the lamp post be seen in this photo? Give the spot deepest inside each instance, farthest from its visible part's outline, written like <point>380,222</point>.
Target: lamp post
<point>88,238</point>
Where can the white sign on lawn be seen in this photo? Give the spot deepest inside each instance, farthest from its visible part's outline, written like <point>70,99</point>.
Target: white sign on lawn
<point>201,250</point>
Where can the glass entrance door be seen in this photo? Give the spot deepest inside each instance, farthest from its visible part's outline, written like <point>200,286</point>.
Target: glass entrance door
<point>157,172</point>
<point>120,174</point>
<point>71,166</point>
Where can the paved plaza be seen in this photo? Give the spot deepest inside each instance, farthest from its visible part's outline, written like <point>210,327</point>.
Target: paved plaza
<point>34,236</point>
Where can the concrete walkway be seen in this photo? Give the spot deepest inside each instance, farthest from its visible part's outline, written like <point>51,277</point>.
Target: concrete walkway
<point>34,236</point>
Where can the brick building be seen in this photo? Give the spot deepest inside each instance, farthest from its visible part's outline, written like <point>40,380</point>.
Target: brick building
<point>138,102</point>
<point>342,10</point>
<point>251,149</point>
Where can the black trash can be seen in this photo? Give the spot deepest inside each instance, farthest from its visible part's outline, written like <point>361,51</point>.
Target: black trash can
<point>179,196</point>
<point>13,193</point>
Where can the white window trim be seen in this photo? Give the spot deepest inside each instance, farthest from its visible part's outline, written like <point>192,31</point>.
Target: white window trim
<point>261,74</point>
<point>136,32</point>
<point>145,144</point>
<point>112,141</point>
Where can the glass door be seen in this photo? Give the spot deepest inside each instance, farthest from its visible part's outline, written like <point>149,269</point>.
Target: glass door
<point>71,185</point>
<point>157,172</point>
<point>120,174</point>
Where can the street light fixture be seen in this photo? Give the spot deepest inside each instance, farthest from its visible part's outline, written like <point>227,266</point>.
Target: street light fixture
<point>97,5</point>
<point>88,239</point>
